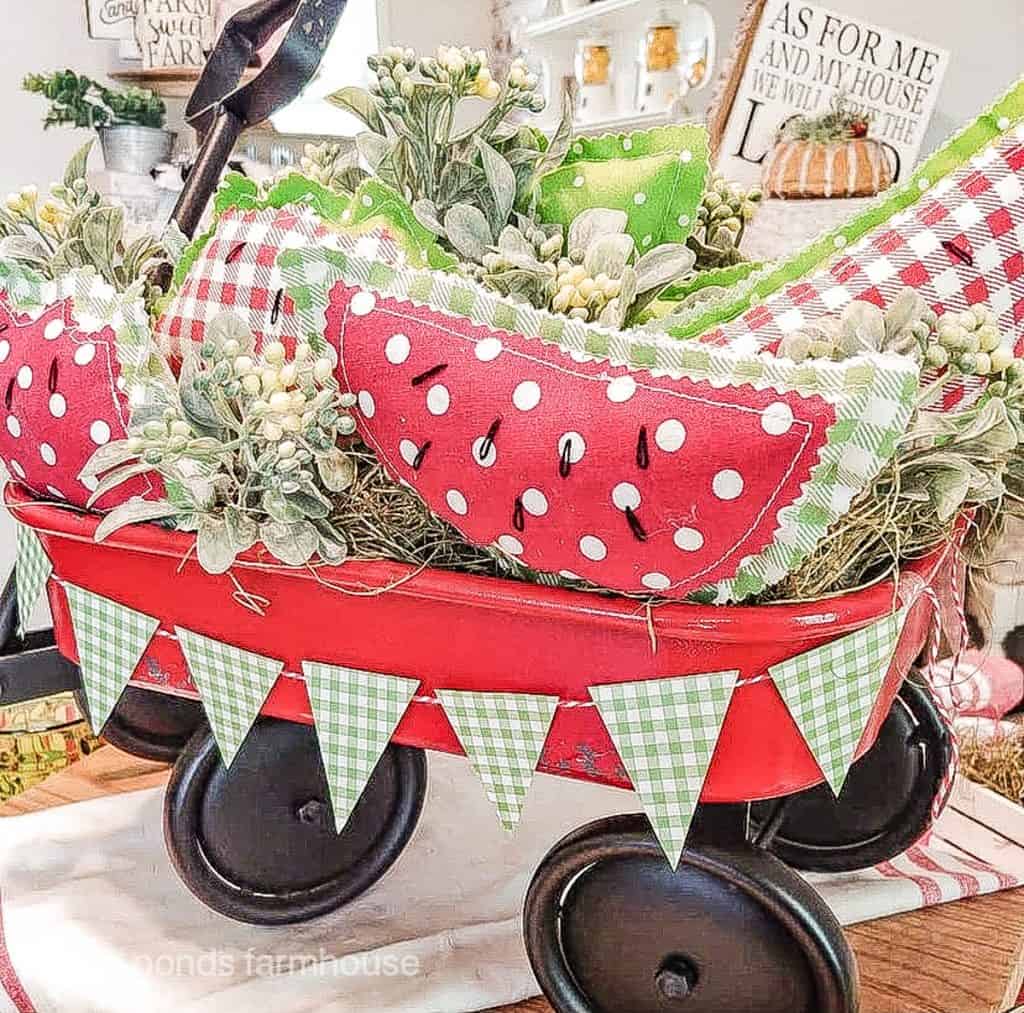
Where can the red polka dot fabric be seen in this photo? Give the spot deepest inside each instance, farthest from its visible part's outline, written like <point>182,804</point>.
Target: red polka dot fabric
<point>635,482</point>
<point>60,399</point>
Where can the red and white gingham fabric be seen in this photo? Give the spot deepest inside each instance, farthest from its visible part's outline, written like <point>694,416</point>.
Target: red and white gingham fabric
<point>237,270</point>
<point>961,244</point>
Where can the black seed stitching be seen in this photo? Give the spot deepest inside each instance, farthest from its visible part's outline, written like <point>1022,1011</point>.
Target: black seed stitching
<point>518,517</point>
<point>3,327</point>
<point>417,461</point>
<point>959,252</point>
<point>488,442</point>
<point>9,396</point>
<point>276,310</point>
<point>428,374</point>
<point>52,378</point>
<point>234,253</point>
<point>643,456</point>
<point>565,459</point>
<point>635,526</point>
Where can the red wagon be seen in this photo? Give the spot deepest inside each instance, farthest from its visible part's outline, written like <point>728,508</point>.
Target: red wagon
<point>257,843</point>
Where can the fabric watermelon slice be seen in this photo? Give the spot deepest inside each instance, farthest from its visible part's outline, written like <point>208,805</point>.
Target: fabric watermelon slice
<point>61,397</point>
<point>633,482</point>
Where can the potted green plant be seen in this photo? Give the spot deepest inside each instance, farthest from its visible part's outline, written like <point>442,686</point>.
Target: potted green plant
<point>129,121</point>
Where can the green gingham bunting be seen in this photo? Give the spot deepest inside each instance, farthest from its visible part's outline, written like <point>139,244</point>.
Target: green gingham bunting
<point>831,692</point>
<point>111,638</point>
<point>666,731</point>
<point>32,569</point>
<point>355,713</point>
<point>233,684</point>
<point>503,735</point>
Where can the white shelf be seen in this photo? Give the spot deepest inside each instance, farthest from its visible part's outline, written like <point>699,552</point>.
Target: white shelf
<point>610,14</point>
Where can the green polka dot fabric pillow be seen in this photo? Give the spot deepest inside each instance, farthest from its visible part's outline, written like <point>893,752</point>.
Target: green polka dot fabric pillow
<point>655,176</point>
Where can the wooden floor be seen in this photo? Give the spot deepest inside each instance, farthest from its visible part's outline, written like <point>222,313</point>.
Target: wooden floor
<point>957,958</point>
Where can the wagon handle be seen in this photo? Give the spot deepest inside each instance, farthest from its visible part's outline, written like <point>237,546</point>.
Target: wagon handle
<point>220,108</point>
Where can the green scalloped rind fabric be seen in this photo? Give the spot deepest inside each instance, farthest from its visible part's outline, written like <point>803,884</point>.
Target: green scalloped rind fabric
<point>874,397</point>
<point>656,176</point>
<point>95,305</point>
<point>1001,116</point>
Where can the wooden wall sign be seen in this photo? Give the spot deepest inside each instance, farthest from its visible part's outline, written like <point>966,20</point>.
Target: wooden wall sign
<point>174,33</point>
<point>792,58</point>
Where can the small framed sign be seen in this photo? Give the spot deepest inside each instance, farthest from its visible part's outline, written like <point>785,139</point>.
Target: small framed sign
<point>174,34</point>
<point>792,58</point>
<point>111,19</point>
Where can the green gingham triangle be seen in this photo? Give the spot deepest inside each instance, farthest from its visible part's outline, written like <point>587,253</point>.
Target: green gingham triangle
<point>111,638</point>
<point>503,735</point>
<point>355,713</point>
<point>233,684</point>
<point>831,692</point>
<point>666,731</point>
<point>33,569</point>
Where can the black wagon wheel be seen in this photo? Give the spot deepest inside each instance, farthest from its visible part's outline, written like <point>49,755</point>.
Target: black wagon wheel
<point>154,726</point>
<point>258,843</point>
<point>611,928</point>
<point>885,806</point>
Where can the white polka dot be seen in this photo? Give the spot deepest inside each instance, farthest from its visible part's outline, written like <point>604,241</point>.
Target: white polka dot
<point>13,426</point>
<point>622,388</point>
<point>526,396</point>
<point>686,155</point>
<point>688,539</point>
<point>640,198</point>
<point>923,183</point>
<point>438,399</point>
<point>17,468</point>
<point>647,240</point>
<point>655,581</point>
<point>670,435</point>
<point>488,349</point>
<point>54,329</point>
<point>488,459</point>
<point>682,221</point>
<point>534,502</point>
<point>1003,123</point>
<point>408,450</point>
<point>367,201</point>
<point>5,350</point>
<point>456,502</point>
<point>58,406</point>
<point>569,575</point>
<point>839,241</point>
<point>366,404</point>
<point>99,432</point>
<point>54,491</point>
<point>25,377</point>
<point>727,484</point>
<point>578,181</point>
<point>578,148</point>
<point>626,495</point>
<point>48,454</point>
<point>396,351</point>
<point>627,144</point>
<point>363,303</point>
<point>91,482</point>
<point>577,447</point>
<point>84,354</point>
<point>510,544</point>
<point>777,419</point>
<point>593,548</point>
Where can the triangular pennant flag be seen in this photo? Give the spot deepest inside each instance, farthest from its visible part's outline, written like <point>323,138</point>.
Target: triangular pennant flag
<point>355,714</point>
<point>111,639</point>
<point>233,684</point>
<point>666,731</point>
<point>831,692</point>
<point>503,735</point>
<point>33,569</point>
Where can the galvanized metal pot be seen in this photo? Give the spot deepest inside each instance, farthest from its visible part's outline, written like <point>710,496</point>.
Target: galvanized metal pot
<point>135,149</point>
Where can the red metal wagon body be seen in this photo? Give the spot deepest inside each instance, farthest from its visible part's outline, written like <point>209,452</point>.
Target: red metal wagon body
<point>453,630</point>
